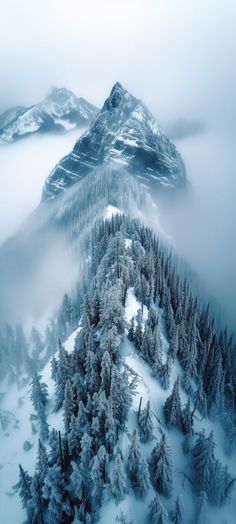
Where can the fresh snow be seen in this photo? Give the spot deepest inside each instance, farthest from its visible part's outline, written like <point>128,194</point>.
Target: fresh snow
<point>149,388</point>
<point>111,211</point>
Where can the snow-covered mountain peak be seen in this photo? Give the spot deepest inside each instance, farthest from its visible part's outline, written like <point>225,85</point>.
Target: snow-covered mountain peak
<point>124,132</point>
<point>60,110</point>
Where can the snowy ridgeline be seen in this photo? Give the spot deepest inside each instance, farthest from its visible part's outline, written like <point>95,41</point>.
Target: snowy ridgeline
<point>131,393</point>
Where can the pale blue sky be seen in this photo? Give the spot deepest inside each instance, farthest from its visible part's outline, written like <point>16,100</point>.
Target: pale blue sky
<point>178,55</point>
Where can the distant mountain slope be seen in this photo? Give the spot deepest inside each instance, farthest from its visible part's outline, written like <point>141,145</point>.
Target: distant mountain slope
<point>10,115</point>
<point>126,133</point>
<point>59,111</point>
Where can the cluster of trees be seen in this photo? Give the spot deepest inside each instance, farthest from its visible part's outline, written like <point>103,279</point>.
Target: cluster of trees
<point>93,388</point>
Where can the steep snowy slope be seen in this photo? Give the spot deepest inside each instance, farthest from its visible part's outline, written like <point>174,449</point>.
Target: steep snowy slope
<point>61,110</point>
<point>126,351</point>
<point>125,133</point>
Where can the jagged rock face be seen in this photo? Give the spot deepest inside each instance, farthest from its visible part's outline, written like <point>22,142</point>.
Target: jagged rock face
<point>60,110</point>
<point>126,133</point>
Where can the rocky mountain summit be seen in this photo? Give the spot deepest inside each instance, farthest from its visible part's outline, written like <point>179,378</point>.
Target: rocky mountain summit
<point>124,132</point>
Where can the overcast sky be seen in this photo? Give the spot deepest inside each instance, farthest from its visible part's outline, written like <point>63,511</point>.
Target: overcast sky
<point>178,55</point>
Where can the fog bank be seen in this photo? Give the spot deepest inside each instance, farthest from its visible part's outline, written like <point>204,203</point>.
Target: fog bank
<point>202,222</point>
<point>25,165</point>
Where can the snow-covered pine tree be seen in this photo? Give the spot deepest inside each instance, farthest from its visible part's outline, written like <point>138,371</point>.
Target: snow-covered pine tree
<point>187,419</point>
<point>143,479</point>
<point>137,466</point>
<point>157,513</point>
<point>99,474</point>
<point>174,343</point>
<point>54,493</point>
<point>145,423</point>
<point>43,425</point>
<point>106,373</point>
<point>39,392</point>
<point>110,428</point>
<point>177,515</point>
<point>161,466</point>
<point>157,351</point>
<point>73,437</point>
<point>63,374</point>
<point>69,406</point>
<point>203,462</point>
<point>165,372</point>
<point>86,452</point>
<point>131,330</point>
<point>138,333</point>
<point>42,461</point>
<point>172,407</point>
<point>118,478</point>
<point>24,489</point>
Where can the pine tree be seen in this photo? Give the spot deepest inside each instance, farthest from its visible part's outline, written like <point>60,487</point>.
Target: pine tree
<point>24,488</point>
<point>106,373</point>
<point>120,395</point>
<point>187,418</point>
<point>117,478</point>
<point>131,330</point>
<point>53,491</point>
<point>43,425</point>
<point>134,457</point>
<point>137,466</point>
<point>200,398</point>
<point>174,343</point>
<point>177,515</point>
<point>39,392</point>
<point>42,461</point>
<point>73,437</point>
<point>81,419</point>
<point>162,467</point>
<point>63,374</point>
<point>36,503</point>
<point>143,479</point>
<point>165,373</point>
<point>147,343</point>
<point>54,368</point>
<point>138,334</point>
<point>54,454</point>
<point>68,406</point>
<point>157,513</point>
<point>145,424</point>
<point>157,351</point>
<point>99,474</point>
<point>86,450</point>
<point>110,429</point>
<point>172,407</point>
<point>203,462</point>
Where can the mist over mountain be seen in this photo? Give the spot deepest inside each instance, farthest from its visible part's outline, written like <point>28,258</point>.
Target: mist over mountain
<point>60,111</point>
<point>117,376</point>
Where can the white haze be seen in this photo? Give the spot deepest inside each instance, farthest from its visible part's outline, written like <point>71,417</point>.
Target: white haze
<point>179,57</point>
<point>25,166</point>
<point>202,222</point>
